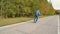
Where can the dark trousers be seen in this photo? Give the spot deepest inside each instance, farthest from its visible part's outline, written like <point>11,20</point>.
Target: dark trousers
<point>35,19</point>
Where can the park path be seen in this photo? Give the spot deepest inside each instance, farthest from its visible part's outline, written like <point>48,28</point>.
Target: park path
<point>46,25</point>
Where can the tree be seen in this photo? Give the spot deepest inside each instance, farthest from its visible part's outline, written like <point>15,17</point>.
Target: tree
<point>18,8</point>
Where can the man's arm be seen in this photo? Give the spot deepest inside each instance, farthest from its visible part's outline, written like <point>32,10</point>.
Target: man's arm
<point>39,12</point>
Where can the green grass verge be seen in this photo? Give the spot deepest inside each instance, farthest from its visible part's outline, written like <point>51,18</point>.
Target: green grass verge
<point>9,21</point>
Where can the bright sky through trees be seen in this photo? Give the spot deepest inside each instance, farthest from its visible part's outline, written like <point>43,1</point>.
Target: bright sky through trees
<point>55,3</point>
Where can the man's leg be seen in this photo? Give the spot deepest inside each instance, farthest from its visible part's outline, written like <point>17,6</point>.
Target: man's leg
<point>35,19</point>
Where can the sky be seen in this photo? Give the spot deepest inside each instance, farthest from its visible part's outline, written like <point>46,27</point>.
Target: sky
<point>55,4</point>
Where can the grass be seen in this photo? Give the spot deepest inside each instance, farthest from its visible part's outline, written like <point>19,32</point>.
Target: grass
<point>9,21</point>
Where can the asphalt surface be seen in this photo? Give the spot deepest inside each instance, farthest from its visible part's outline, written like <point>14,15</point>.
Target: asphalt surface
<point>59,25</point>
<point>46,25</point>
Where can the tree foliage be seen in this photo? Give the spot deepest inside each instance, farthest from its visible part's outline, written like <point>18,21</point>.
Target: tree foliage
<point>18,8</point>
<point>46,8</point>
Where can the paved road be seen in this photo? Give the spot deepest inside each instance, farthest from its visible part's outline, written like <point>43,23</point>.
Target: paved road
<point>59,24</point>
<point>47,25</point>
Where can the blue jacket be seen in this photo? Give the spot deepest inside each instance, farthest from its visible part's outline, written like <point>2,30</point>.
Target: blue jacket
<point>37,13</point>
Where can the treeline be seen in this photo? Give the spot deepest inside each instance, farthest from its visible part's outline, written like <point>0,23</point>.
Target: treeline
<point>18,8</point>
<point>46,8</point>
<point>57,12</point>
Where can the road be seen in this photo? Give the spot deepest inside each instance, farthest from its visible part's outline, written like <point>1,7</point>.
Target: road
<point>59,25</point>
<point>46,25</point>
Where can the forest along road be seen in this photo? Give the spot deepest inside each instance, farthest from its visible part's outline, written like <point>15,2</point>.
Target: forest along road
<point>46,25</point>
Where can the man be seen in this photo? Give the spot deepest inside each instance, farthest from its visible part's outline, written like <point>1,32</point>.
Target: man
<point>36,16</point>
